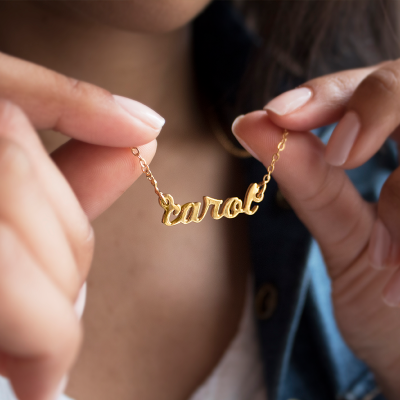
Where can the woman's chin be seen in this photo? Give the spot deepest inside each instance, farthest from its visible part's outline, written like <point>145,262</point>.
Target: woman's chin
<point>141,16</point>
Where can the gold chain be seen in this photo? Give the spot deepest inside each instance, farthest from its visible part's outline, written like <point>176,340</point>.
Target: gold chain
<point>275,157</point>
<point>146,170</point>
<point>190,212</point>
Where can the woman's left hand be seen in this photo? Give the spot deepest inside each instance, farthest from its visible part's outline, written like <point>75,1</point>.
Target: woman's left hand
<point>360,241</point>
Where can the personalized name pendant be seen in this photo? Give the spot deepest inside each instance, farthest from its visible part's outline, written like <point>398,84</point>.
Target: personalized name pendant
<point>230,208</point>
<point>195,212</point>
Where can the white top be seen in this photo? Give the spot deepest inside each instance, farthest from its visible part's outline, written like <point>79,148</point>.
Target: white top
<point>238,375</point>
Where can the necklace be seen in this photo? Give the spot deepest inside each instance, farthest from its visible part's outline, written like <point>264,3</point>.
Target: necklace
<point>230,208</point>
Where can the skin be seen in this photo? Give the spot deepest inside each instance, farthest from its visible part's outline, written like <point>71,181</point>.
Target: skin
<point>156,311</point>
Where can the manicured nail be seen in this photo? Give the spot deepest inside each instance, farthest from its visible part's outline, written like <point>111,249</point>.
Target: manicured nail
<point>240,140</point>
<point>289,101</point>
<point>140,111</point>
<point>342,139</point>
<point>80,302</point>
<point>380,245</point>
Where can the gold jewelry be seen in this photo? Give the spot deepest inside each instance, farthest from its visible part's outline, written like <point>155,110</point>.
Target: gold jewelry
<point>231,207</point>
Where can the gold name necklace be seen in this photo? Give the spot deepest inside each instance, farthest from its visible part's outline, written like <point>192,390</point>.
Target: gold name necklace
<point>230,208</point>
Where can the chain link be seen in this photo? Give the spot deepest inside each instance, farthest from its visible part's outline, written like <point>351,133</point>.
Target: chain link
<point>146,170</point>
<point>275,158</point>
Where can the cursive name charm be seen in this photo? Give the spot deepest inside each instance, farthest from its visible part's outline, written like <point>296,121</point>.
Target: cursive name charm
<point>230,208</point>
<point>195,212</point>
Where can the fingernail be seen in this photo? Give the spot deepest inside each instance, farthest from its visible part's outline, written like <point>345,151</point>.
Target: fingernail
<point>240,140</point>
<point>140,111</point>
<point>60,389</point>
<point>80,302</point>
<point>380,245</point>
<point>289,101</point>
<point>342,139</point>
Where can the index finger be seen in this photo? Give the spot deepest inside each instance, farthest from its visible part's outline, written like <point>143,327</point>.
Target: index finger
<point>318,102</point>
<point>77,109</point>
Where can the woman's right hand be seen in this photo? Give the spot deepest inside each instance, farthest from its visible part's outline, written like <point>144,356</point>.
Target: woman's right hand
<point>46,241</point>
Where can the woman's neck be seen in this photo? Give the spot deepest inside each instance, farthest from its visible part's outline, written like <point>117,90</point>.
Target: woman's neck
<point>152,68</point>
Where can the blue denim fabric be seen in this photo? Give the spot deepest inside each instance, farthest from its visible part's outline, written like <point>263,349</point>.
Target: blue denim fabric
<point>304,354</point>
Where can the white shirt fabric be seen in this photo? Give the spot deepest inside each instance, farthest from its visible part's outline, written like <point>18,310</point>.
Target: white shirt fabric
<point>238,375</point>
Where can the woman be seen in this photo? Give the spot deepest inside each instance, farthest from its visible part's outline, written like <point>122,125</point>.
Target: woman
<point>165,303</point>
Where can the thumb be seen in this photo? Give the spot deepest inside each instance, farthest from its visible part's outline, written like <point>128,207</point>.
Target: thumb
<point>322,196</point>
